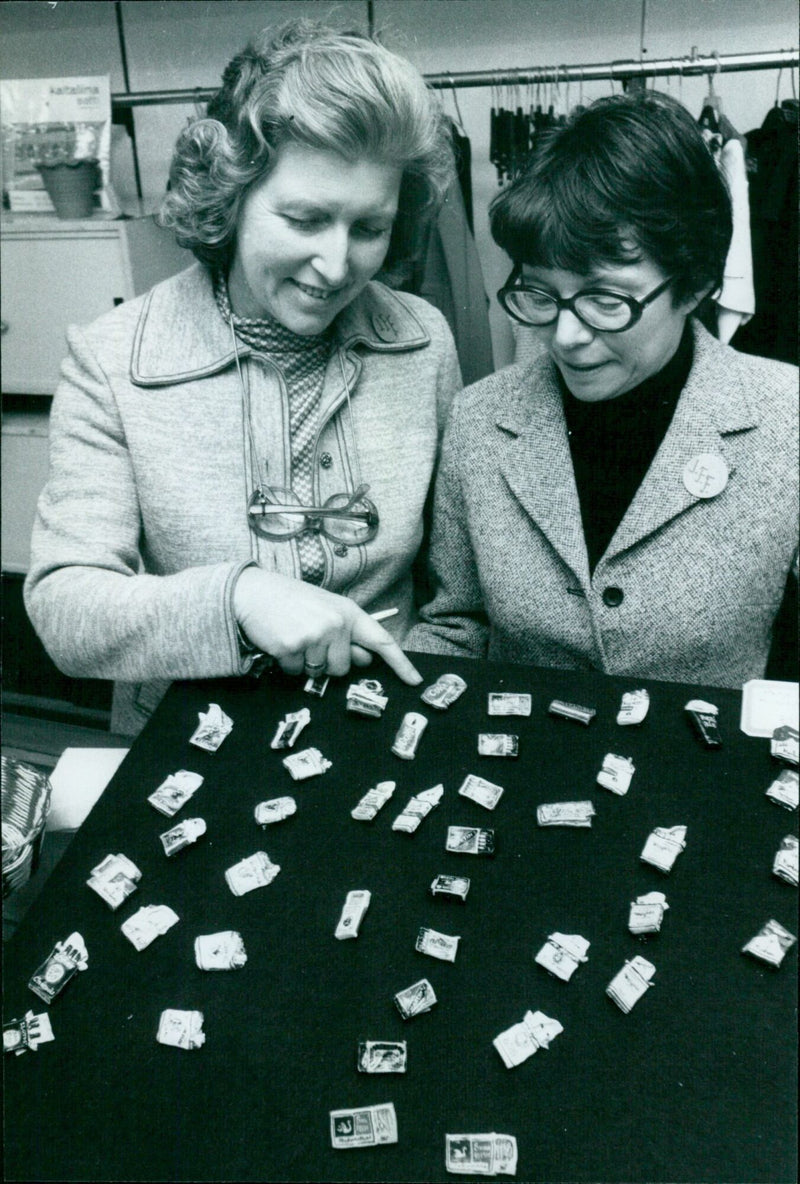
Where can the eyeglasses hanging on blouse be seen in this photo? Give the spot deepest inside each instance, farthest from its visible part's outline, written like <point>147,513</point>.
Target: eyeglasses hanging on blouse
<point>278,514</point>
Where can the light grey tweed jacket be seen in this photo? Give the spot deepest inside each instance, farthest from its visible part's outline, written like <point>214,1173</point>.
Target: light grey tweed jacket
<point>698,581</point>
<point>141,530</point>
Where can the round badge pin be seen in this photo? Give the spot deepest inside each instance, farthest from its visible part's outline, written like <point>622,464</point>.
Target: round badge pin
<point>705,475</point>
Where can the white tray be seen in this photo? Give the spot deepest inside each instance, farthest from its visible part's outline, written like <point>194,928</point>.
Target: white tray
<point>767,705</point>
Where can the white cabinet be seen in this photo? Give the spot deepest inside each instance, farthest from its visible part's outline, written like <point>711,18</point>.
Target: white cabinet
<point>56,274</point>
<point>62,273</point>
<point>23,472</point>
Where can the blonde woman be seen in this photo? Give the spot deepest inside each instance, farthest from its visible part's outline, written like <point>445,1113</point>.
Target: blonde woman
<point>240,459</point>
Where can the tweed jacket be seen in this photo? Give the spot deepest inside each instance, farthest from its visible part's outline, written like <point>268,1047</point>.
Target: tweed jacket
<point>141,530</point>
<point>688,587</point>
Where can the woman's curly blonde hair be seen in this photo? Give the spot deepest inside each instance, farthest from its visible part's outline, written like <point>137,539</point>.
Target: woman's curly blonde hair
<point>308,84</point>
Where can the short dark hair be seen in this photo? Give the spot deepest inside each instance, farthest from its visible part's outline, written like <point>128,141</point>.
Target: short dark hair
<point>630,175</point>
<point>306,83</point>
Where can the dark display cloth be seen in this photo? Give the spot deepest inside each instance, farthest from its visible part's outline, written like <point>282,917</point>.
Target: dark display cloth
<point>697,1083</point>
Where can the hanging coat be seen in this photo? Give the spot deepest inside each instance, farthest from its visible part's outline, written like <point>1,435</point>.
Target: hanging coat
<point>772,169</point>
<point>452,280</point>
<point>736,301</point>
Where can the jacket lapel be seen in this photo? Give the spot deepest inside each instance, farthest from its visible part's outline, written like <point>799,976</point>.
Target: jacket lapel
<point>181,335</point>
<point>713,403</point>
<point>537,464</point>
<point>379,320</point>
<point>382,320</point>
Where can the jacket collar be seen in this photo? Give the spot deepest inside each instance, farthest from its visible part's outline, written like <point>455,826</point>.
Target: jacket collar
<point>538,464</point>
<point>717,387</point>
<point>181,336</point>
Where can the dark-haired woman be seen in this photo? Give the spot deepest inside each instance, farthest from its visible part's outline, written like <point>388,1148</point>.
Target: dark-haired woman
<point>240,459</point>
<point>628,501</point>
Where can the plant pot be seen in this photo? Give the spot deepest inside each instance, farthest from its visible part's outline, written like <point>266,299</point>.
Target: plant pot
<point>71,187</point>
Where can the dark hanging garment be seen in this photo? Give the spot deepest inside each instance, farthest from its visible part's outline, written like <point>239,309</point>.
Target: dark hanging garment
<point>452,280</point>
<point>462,149</point>
<point>772,174</point>
<point>447,270</point>
<point>521,144</point>
<point>494,140</point>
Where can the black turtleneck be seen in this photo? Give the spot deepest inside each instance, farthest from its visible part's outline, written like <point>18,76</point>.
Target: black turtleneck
<point>613,444</point>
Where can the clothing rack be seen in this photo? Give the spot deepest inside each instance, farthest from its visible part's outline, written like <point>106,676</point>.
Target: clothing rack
<point>620,71</point>
<point>625,72</point>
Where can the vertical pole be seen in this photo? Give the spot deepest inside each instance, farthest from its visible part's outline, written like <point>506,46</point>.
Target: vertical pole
<point>129,122</point>
<point>636,83</point>
<point>642,32</point>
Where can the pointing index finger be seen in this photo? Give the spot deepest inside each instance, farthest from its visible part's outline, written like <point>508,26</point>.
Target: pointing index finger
<point>368,633</point>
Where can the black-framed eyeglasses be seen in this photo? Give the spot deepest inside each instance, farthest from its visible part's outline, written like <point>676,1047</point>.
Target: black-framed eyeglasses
<point>598,308</point>
<point>349,518</point>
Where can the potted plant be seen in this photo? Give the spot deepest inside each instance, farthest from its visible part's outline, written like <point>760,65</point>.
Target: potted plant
<point>70,177</point>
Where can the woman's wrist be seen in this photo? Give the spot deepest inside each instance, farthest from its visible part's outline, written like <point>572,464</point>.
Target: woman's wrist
<point>254,660</point>
<point>246,647</point>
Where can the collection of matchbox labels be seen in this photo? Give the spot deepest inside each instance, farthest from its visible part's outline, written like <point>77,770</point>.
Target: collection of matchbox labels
<point>116,877</point>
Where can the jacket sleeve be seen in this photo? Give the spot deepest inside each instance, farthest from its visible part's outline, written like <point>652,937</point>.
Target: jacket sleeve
<point>454,621</point>
<point>449,381</point>
<point>448,384</point>
<point>98,614</point>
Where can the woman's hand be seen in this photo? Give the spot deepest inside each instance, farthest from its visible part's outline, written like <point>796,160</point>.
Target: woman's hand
<point>306,628</point>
